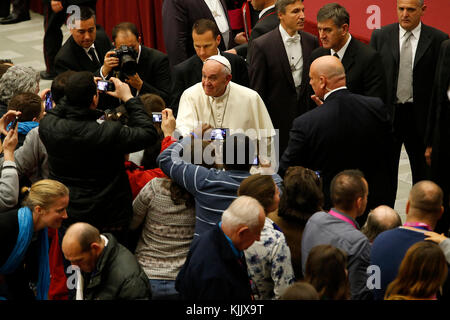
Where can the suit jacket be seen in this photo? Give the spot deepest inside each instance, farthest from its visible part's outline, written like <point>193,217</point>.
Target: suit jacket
<point>271,77</point>
<point>178,18</point>
<point>348,131</point>
<point>73,57</point>
<point>266,23</point>
<point>153,69</point>
<point>386,42</point>
<point>189,72</point>
<point>362,69</point>
<point>212,271</point>
<point>438,131</point>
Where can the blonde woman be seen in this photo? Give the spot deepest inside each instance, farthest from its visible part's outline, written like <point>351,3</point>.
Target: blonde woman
<point>44,207</point>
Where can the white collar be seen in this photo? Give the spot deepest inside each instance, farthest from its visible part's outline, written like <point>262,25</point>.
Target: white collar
<point>265,10</point>
<point>415,31</point>
<point>87,50</point>
<point>284,34</point>
<point>341,52</point>
<point>334,90</point>
<point>104,239</point>
<point>139,54</point>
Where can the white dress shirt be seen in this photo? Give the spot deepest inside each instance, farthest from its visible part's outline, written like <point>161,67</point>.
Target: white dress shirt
<point>218,12</point>
<point>341,52</point>
<point>294,53</point>
<point>414,40</point>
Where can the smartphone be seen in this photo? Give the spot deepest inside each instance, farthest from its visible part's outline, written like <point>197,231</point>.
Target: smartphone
<point>157,116</point>
<point>219,133</point>
<point>256,161</point>
<point>105,85</point>
<point>14,123</point>
<point>48,101</point>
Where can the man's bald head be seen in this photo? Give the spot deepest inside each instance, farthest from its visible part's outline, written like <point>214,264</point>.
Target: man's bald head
<point>380,219</point>
<point>82,234</point>
<point>426,198</point>
<point>326,73</point>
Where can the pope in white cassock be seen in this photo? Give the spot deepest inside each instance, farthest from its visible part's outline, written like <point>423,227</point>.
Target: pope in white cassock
<point>221,103</point>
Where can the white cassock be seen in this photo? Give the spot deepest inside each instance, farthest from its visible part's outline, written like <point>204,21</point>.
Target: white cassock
<point>239,109</point>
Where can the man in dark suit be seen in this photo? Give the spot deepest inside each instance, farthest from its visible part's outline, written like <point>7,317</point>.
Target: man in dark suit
<point>215,268</point>
<point>279,62</point>
<point>348,131</point>
<point>206,38</point>
<point>179,16</point>
<point>361,62</point>
<point>409,51</point>
<point>438,132</point>
<point>87,46</point>
<point>20,11</point>
<point>267,21</point>
<point>153,73</point>
<point>55,14</point>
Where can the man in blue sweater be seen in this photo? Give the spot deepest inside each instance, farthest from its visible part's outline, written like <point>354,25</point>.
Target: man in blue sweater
<point>423,210</point>
<point>213,189</point>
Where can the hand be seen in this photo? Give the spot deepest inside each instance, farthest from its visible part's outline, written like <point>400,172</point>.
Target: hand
<point>168,123</point>
<point>56,6</point>
<point>110,62</point>
<point>135,81</point>
<point>7,119</point>
<point>123,91</point>
<point>232,51</point>
<point>241,38</point>
<point>435,237</point>
<point>10,143</point>
<point>317,100</point>
<point>199,131</point>
<point>428,152</point>
<point>43,93</point>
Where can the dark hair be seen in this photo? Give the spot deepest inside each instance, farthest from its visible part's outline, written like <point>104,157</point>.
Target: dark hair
<point>80,89</point>
<point>152,103</point>
<point>243,152</point>
<point>326,270</point>
<point>334,11</point>
<point>4,68</point>
<point>426,196</point>
<point>204,25</point>
<point>150,155</point>
<point>280,5</point>
<point>302,196</point>
<point>300,291</point>
<point>180,195</point>
<point>58,85</point>
<point>124,27</point>
<point>2,61</point>
<point>260,187</point>
<point>346,187</point>
<point>30,104</point>
<point>422,272</point>
<point>86,13</point>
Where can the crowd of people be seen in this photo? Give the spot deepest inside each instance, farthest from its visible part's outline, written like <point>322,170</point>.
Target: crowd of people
<point>240,165</point>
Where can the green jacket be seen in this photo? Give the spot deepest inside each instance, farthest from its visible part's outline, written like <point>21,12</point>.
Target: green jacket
<point>118,276</point>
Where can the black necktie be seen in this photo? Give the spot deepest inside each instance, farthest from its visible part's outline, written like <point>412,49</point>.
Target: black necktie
<point>91,53</point>
<point>336,55</point>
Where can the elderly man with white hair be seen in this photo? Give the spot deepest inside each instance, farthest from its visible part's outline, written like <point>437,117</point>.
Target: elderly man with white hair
<point>215,268</point>
<point>221,103</point>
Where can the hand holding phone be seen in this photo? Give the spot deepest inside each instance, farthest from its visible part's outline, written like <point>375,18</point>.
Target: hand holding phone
<point>105,85</point>
<point>157,117</point>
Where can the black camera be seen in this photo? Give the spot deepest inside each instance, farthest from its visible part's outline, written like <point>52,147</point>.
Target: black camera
<point>127,60</point>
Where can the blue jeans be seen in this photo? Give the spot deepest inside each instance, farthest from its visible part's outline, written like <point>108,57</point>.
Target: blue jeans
<point>164,290</point>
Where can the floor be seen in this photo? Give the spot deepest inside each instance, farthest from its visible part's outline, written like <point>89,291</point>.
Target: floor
<point>22,42</point>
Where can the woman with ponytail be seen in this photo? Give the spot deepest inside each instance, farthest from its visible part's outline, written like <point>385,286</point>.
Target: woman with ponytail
<point>24,238</point>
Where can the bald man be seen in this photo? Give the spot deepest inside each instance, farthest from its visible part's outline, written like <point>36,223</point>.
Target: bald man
<point>423,210</point>
<point>347,131</point>
<point>380,219</point>
<point>109,270</point>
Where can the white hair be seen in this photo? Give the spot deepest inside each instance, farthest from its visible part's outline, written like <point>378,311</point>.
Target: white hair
<point>18,79</point>
<point>244,211</point>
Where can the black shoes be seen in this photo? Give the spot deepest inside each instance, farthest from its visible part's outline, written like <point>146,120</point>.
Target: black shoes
<point>47,76</point>
<point>14,18</point>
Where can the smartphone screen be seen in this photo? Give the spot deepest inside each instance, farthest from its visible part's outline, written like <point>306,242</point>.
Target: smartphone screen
<point>157,116</point>
<point>219,134</point>
<point>48,101</point>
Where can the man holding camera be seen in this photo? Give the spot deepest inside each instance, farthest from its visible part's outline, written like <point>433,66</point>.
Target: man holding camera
<point>146,70</point>
<point>88,157</point>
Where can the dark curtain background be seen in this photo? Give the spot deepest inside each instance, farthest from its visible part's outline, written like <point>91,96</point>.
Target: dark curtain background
<point>145,14</point>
